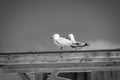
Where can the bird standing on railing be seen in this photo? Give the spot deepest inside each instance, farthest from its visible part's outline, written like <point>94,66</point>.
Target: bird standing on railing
<point>76,44</point>
<point>71,42</point>
<point>61,41</point>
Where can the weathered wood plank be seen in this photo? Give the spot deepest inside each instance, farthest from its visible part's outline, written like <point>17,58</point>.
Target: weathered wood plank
<point>74,61</point>
<point>54,52</point>
<point>24,76</point>
<point>69,67</point>
<point>53,58</point>
<point>64,60</point>
<point>105,75</point>
<point>38,76</point>
<point>85,69</point>
<point>62,65</point>
<point>58,78</point>
<point>53,76</point>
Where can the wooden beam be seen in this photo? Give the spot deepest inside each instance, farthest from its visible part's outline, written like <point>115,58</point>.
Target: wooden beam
<point>54,58</point>
<point>84,60</point>
<point>58,78</point>
<point>105,75</point>
<point>61,65</point>
<point>73,67</point>
<point>53,76</point>
<point>85,69</point>
<point>51,52</point>
<point>39,76</point>
<point>24,76</point>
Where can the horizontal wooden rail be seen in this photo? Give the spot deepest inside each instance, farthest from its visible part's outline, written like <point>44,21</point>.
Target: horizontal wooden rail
<point>47,61</point>
<point>63,67</point>
<point>51,52</point>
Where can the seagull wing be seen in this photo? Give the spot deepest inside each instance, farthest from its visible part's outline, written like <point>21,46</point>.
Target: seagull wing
<point>57,42</point>
<point>64,41</point>
<point>67,38</point>
<point>78,44</point>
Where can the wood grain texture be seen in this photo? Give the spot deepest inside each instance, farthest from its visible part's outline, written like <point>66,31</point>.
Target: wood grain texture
<point>72,61</point>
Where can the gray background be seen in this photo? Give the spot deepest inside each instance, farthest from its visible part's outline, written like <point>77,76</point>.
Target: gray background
<point>27,25</point>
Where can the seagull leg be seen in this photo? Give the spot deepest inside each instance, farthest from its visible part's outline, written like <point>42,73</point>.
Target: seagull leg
<point>61,48</point>
<point>61,52</point>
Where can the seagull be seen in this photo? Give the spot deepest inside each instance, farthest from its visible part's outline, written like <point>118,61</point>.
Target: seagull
<point>61,41</point>
<point>77,44</point>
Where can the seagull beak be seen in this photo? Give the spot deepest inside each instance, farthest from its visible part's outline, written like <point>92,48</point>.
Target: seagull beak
<point>86,44</point>
<point>51,36</point>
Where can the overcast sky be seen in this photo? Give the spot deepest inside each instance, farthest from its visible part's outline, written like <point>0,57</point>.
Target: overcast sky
<point>27,25</point>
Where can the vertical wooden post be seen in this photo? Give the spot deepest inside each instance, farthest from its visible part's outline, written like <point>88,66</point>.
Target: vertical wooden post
<point>105,75</point>
<point>53,75</point>
<point>24,76</point>
<point>39,76</point>
<point>89,76</point>
<point>92,75</point>
<point>118,75</point>
<point>80,76</point>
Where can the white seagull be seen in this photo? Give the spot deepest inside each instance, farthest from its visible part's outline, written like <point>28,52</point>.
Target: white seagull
<point>61,42</point>
<point>77,44</point>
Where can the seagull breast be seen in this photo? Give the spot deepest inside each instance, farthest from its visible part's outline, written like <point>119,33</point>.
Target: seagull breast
<point>60,41</point>
<point>63,42</point>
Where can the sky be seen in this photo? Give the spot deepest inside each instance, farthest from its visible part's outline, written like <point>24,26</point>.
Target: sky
<point>26,25</point>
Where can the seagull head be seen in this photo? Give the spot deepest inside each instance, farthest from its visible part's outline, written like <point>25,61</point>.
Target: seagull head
<point>71,36</point>
<point>55,36</point>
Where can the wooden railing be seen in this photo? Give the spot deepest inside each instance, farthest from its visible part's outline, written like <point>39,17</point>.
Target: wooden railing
<point>84,60</point>
<point>71,61</point>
